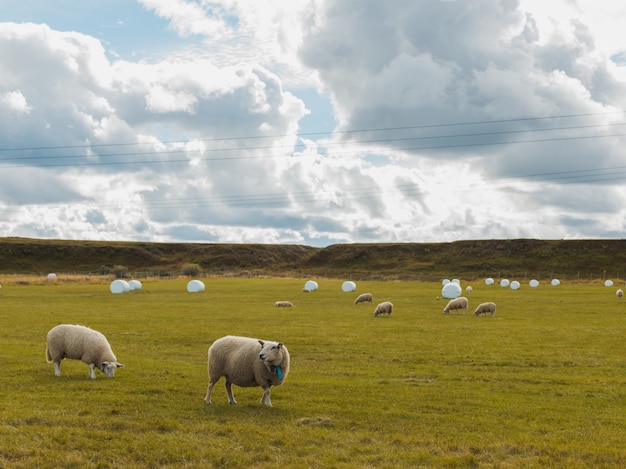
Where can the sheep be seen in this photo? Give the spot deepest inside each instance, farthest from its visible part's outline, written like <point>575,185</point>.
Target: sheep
<point>384,307</point>
<point>242,362</point>
<point>456,304</point>
<point>363,298</point>
<point>619,293</point>
<point>283,304</point>
<point>80,343</point>
<point>468,290</point>
<point>306,290</point>
<point>483,308</point>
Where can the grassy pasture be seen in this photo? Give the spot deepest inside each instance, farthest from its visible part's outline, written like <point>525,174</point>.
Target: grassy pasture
<point>542,384</point>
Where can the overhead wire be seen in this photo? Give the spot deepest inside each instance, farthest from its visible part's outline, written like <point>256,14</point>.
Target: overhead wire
<point>591,175</point>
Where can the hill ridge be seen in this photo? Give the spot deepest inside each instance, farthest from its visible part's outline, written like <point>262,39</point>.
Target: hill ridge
<point>591,258</point>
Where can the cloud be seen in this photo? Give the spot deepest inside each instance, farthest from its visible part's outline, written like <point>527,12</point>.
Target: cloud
<point>454,120</point>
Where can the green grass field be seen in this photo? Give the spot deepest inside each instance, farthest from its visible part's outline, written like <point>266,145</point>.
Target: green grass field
<point>542,384</point>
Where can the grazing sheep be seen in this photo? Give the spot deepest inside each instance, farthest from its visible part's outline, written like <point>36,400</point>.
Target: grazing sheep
<point>468,290</point>
<point>619,293</point>
<point>384,307</point>
<point>283,304</point>
<point>364,298</point>
<point>80,343</point>
<point>306,290</point>
<point>484,308</point>
<point>242,362</point>
<point>456,304</point>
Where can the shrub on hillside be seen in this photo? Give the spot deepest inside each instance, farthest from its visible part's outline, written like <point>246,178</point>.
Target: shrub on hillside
<point>120,271</point>
<point>191,270</point>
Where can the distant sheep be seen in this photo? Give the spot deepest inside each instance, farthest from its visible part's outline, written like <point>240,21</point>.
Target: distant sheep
<point>364,298</point>
<point>384,307</point>
<point>468,290</point>
<point>80,343</point>
<point>242,362</point>
<point>306,290</point>
<point>456,304</point>
<point>485,308</point>
<point>283,304</point>
<point>619,293</point>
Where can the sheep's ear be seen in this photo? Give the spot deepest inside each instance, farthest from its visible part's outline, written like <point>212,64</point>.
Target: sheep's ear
<point>119,365</point>
<point>280,345</point>
<point>262,343</point>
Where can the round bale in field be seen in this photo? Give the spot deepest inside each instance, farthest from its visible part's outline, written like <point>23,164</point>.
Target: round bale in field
<point>555,282</point>
<point>534,283</point>
<point>608,283</point>
<point>451,290</point>
<point>348,286</point>
<point>195,286</point>
<point>311,285</point>
<point>489,281</point>
<point>504,282</point>
<point>514,285</point>
<point>119,286</point>
<point>134,284</point>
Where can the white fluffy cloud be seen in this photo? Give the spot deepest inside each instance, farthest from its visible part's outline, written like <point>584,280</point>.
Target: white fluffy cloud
<point>456,120</point>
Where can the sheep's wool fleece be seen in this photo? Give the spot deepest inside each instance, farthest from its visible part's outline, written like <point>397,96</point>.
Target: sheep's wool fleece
<point>237,358</point>
<point>80,343</point>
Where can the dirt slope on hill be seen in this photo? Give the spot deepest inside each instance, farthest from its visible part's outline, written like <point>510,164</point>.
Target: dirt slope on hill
<point>422,261</point>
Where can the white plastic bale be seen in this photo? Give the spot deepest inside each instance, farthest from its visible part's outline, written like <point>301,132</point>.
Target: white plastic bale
<point>195,286</point>
<point>451,290</point>
<point>119,286</point>
<point>555,282</point>
<point>514,285</point>
<point>608,283</point>
<point>348,286</point>
<point>311,285</point>
<point>534,283</point>
<point>489,281</point>
<point>134,284</point>
<point>504,282</point>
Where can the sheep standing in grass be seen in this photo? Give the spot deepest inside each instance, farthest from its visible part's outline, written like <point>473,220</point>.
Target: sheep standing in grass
<point>469,290</point>
<point>364,298</point>
<point>384,307</point>
<point>247,362</point>
<point>80,343</point>
<point>619,293</point>
<point>456,304</point>
<point>485,308</point>
<point>283,304</point>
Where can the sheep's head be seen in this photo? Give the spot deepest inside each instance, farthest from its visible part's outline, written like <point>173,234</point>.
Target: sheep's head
<point>271,352</point>
<point>109,368</point>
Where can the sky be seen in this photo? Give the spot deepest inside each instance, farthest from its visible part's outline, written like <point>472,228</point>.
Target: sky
<point>312,122</point>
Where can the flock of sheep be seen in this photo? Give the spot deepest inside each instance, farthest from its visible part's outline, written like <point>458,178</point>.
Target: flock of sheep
<point>243,361</point>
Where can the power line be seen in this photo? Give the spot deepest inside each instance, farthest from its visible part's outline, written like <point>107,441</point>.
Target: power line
<point>301,135</point>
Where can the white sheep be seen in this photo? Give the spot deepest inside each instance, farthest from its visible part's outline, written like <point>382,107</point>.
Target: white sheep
<point>384,307</point>
<point>80,343</point>
<point>364,298</point>
<point>468,290</point>
<point>619,293</point>
<point>247,362</point>
<point>283,304</point>
<point>456,304</point>
<point>484,308</point>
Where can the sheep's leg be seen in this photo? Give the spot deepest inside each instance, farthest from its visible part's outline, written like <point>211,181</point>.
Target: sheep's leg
<point>229,391</point>
<point>266,396</point>
<point>207,398</point>
<point>92,373</point>
<point>57,368</point>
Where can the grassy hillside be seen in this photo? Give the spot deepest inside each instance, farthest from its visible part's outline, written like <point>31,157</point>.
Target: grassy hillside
<point>520,258</point>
